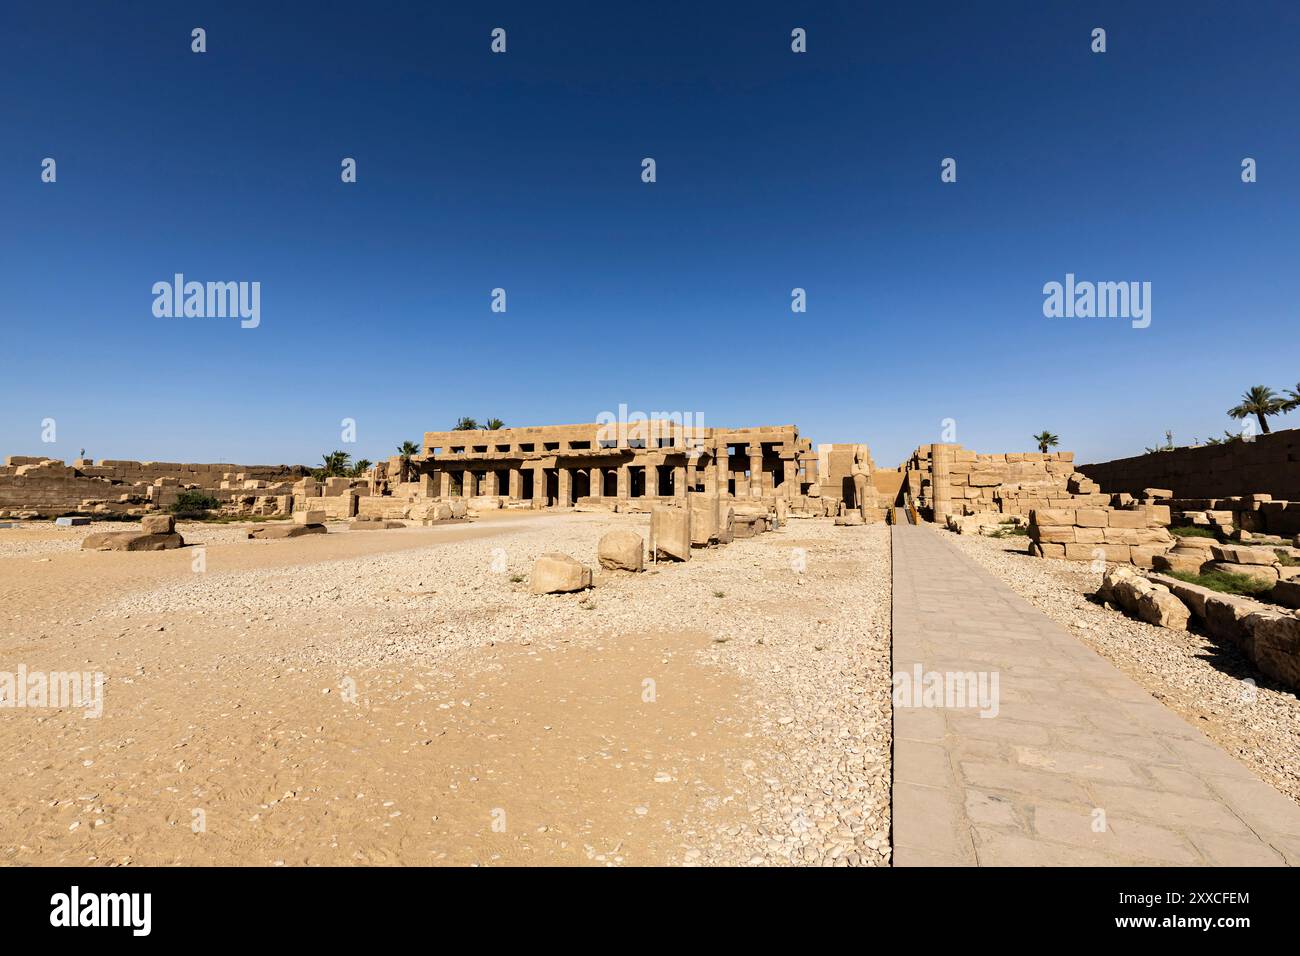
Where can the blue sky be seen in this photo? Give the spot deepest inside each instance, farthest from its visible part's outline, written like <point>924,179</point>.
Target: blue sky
<point>522,171</point>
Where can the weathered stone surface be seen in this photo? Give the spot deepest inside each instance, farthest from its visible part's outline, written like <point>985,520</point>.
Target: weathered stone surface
<point>1235,554</point>
<point>1257,571</point>
<point>309,517</point>
<point>157,524</point>
<point>1196,543</point>
<point>1157,493</point>
<point>1277,646</point>
<point>131,541</point>
<point>277,531</point>
<point>1186,562</point>
<point>670,532</point>
<point>1286,593</point>
<point>1151,602</point>
<point>844,520</point>
<point>558,573</point>
<point>374,525</point>
<point>71,522</point>
<point>621,551</point>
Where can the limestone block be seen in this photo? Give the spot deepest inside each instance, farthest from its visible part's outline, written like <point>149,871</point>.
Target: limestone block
<point>621,551</point>
<point>131,541</point>
<point>1157,493</point>
<point>1276,646</point>
<point>1286,593</point>
<point>670,532</point>
<point>1145,599</point>
<point>1259,572</point>
<point>309,517</point>
<point>558,573</point>
<point>1091,518</point>
<point>1187,562</point>
<point>277,531</point>
<point>158,524</point>
<point>1196,543</point>
<point>1239,555</point>
<point>1056,534</point>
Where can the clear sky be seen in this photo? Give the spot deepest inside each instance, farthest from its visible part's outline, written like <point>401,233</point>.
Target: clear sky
<point>522,171</point>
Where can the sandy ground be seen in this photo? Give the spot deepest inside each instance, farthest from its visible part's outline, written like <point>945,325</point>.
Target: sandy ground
<point>1207,682</point>
<point>398,697</point>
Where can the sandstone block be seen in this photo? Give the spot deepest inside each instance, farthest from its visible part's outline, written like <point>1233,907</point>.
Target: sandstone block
<point>278,531</point>
<point>1176,560</point>
<point>558,573</point>
<point>1259,572</point>
<point>309,517</point>
<point>131,541</point>
<point>621,551</point>
<point>1091,518</point>
<point>1240,555</point>
<point>1286,593</point>
<point>670,532</point>
<point>1052,516</point>
<point>1128,519</point>
<point>1157,493</point>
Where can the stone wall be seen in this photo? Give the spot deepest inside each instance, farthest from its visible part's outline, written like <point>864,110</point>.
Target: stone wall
<point>946,479</point>
<point>1270,464</point>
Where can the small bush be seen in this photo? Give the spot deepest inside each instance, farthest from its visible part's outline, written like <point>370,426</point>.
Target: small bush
<point>1191,531</point>
<point>1285,559</point>
<point>1225,581</point>
<point>194,504</point>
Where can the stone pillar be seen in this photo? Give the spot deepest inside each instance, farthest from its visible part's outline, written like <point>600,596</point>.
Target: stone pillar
<point>651,480</point>
<point>721,470</point>
<point>565,486</point>
<point>596,483</point>
<point>624,483</point>
<point>684,478</point>
<point>516,483</point>
<point>444,484</point>
<point>468,484</point>
<point>491,484</point>
<point>940,486</point>
<point>539,486</point>
<point>755,470</point>
<point>789,477</point>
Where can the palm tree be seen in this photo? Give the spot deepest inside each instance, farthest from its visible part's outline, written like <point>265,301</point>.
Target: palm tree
<point>408,450</point>
<point>1260,401</point>
<point>361,467</point>
<point>1046,440</point>
<point>465,425</point>
<point>494,424</point>
<point>336,463</point>
<point>1292,403</point>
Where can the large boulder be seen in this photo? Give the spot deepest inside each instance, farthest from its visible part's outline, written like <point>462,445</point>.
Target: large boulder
<point>557,573</point>
<point>131,541</point>
<point>621,551</point>
<point>670,533</point>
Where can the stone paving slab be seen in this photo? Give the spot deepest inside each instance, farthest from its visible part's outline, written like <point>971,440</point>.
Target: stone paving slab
<point>1074,764</point>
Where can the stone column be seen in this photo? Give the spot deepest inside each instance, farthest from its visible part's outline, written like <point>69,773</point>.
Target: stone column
<point>444,484</point>
<point>516,483</point>
<point>651,480</point>
<point>684,478</point>
<point>755,470</point>
<point>789,477</point>
<point>468,484</point>
<point>539,487</point>
<point>491,484</point>
<point>624,483</point>
<point>565,486</point>
<point>596,483</point>
<point>940,483</point>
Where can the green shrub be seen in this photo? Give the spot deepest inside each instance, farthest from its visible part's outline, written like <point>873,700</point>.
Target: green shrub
<point>1284,558</point>
<point>194,504</point>
<point>1225,581</point>
<point>1191,531</point>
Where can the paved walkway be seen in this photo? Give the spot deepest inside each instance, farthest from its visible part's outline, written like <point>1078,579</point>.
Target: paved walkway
<point>1080,765</point>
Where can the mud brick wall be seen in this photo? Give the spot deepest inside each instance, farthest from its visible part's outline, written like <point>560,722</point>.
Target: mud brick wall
<point>1270,464</point>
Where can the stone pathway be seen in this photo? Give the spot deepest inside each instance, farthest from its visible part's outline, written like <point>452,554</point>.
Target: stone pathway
<point>1076,764</point>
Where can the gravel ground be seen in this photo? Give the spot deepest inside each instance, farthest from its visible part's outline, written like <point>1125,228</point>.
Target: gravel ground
<point>813,645</point>
<point>1197,677</point>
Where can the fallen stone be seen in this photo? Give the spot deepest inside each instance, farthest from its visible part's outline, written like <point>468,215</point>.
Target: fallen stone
<point>158,524</point>
<point>1237,555</point>
<point>131,541</point>
<point>670,533</point>
<point>1186,562</point>
<point>621,551</point>
<point>71,522</point>
<point>557,573</point>
<point>374,524</point>
<point>309,517</point>
<point>1153,603</point>
<point>1286,593</point>
<point>1257,571</point>
<point>276,531</point>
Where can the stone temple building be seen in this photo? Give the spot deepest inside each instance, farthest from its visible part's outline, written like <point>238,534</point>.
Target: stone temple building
<point>567,465</point>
